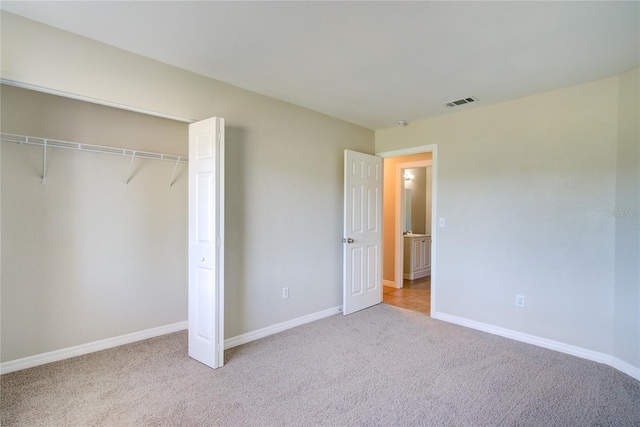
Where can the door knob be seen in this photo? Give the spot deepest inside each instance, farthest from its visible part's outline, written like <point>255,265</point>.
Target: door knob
<point>202,259</point>
<point>349,240</point>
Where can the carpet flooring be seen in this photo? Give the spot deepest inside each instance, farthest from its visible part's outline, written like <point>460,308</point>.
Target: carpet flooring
<point>383,366</point>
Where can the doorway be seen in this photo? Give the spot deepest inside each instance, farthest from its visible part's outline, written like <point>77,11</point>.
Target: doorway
<point>409,257</point>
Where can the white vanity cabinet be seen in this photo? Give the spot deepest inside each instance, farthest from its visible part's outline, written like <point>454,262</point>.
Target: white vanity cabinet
<point>417,256</point>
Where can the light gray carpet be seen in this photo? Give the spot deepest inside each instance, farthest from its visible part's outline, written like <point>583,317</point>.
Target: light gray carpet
<point>381,366</point>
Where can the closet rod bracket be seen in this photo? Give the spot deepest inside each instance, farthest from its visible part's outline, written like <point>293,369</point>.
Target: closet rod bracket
<point>175,168</point>
<point>44,163</point>
<point>133,157</point>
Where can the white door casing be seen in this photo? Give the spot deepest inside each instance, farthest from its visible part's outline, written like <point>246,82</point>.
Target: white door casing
<point>206,241</point>
<point>433,149</point>
<point>362,266</point>
<point>399,255</point>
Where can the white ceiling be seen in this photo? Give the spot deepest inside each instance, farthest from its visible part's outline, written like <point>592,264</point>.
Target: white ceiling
<point>369,63</point>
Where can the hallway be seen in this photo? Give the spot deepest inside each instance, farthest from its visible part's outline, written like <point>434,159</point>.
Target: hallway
<point>415,295</point>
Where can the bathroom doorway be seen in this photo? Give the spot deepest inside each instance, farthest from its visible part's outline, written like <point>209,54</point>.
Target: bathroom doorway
<point>408,212</point>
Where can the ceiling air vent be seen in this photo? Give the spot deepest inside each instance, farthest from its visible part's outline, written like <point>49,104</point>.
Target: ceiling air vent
<point>461,101</point>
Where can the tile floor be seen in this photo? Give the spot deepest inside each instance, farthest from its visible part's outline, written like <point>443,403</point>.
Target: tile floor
<point>414,295</point>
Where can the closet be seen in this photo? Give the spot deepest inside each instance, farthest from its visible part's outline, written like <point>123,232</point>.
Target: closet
<point>94,223</point>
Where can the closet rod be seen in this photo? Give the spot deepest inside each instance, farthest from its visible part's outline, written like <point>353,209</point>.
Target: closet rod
<point>78,146</point>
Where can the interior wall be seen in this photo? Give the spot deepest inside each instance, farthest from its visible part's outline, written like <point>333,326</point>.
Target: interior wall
<point>389,211</point>
<point>418,186</point>
<point>284,168</point>
<point>627,219</point>
<point>524,187</point>
<point>86,257</point>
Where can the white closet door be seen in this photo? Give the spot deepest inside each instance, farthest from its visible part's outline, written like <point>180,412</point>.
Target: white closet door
<point>206,241</point>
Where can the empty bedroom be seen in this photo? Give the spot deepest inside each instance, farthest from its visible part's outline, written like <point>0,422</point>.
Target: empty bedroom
<point>214,213</point>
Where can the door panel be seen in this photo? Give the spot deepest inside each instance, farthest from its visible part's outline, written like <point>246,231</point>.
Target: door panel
<point>206,241</point>
<point>362,275</point>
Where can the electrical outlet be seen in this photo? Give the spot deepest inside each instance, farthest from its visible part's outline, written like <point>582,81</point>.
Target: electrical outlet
<point>519,300</point>
<point>285,293</point>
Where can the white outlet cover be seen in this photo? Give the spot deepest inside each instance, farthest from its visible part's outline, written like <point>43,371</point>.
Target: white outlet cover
<point>441,222</point>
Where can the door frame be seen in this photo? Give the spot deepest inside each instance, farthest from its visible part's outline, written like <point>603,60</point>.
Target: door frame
<point>433,149</point>
<point>399,217</point>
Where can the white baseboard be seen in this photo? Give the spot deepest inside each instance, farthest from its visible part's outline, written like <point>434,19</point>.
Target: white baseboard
<point>583,353</point>
<point>622,366</point>
<point>54,356</point>
<point>417,275</point>
<point>274,329</point>
<point>390,283</point>
<point>79,350</point>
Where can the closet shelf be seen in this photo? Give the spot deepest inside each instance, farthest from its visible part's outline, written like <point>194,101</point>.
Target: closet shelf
<point>78,146</point>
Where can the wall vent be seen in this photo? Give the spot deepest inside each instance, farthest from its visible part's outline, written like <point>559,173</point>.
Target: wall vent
<point>461,101</point>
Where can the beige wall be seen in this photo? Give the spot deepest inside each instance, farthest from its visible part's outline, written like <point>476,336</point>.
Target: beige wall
<point>627,218</point>
<point>524,187</point>
<point>418,187</point>
<point>389,211</point>
<point>284,173</point>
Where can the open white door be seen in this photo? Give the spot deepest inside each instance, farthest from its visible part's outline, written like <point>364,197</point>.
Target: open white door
<point>362,275</point>
<point>206,241</point>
